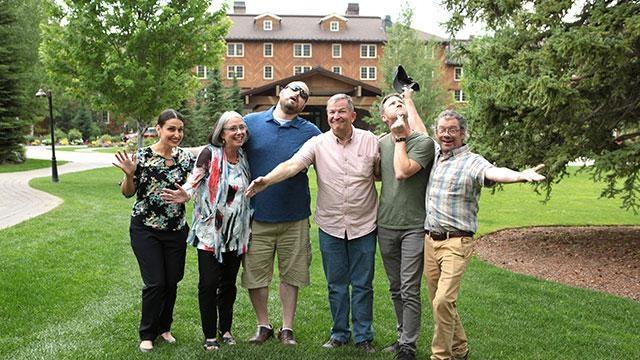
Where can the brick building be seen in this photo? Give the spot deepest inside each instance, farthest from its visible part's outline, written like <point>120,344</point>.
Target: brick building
<point>331,53</point>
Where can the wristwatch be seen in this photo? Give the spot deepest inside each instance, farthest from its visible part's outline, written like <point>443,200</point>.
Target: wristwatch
<point>400,139</point>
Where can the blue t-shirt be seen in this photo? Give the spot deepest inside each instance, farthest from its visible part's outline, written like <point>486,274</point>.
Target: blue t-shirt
<point>270,144</point>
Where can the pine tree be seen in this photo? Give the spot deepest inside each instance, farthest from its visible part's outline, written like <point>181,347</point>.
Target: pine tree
<point>12,128</point>
<point>211,102</point>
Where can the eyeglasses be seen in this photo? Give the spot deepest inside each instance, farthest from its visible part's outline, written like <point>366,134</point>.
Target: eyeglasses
<point>297,88</point>
<point>236,128</point>
<point>451,131</point>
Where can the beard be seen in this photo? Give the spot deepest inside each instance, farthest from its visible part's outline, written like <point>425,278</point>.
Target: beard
<point>289,108</point>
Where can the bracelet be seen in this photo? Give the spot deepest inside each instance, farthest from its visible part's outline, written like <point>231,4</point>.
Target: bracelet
<point>401,139</point>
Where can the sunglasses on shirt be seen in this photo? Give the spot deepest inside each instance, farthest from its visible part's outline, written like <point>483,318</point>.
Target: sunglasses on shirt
<point>302,92</point>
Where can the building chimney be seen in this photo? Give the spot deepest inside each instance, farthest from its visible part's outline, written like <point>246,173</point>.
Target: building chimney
<point>353,9</point>
<point>239,7</point>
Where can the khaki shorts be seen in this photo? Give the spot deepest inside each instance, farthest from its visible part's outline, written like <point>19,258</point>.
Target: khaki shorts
<point>290,240</point>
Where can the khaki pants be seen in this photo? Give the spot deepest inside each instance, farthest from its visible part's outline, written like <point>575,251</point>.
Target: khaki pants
<point>444,264</point>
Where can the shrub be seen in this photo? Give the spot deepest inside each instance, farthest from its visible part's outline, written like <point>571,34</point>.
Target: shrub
<point>59,134</point>
<point>73,135</point>
<point>64,141</point>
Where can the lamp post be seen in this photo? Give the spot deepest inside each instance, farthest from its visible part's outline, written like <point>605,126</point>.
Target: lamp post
<point>54,164</point>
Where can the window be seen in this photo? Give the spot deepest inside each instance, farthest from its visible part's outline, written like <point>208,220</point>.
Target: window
<point>267,25</point>
<point>459,96</point>
<point>235,49</point>
<point>201,72</point>
<point>457,73</point>
<point>334,26</point>
<point>297,70</point>
<point>301,50</point>
<point>367,72</point>
<point>337,70</point>
<point>336,50</point>
<point>368,51</point>
<point>267,74</point>
<point>267,49</point>
<point>236,71</point>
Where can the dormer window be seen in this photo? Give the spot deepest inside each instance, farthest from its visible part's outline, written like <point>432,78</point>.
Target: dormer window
<point>334,26</point>
<point>267,25</point>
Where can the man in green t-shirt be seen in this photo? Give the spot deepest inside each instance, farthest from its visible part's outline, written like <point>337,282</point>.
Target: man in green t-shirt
<point>406,155</point>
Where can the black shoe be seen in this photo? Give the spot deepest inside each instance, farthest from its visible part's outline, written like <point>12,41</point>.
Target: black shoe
<point>405,353</point>
<point>286,337</point>
<point>461,357</point>
<point>263,333</point>
<point>333,343</point>
<point>366,347</point>
<point>393,348</point>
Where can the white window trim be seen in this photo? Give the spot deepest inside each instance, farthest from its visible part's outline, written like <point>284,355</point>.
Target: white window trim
<point>375,48</point>
<point>339,55</point>
<point>235,49</point>
<point>303,69</point>
<point>264,70</point>
<point>264,46</point>
<point>265,27</point>
<point>462,96</point>
<point>234,70</point>
<point>368,73</point>
<point>205,72</point>
<point>337,26</point>
<point>302,45</point>
<point>455,78</point>
<point>337,67</point>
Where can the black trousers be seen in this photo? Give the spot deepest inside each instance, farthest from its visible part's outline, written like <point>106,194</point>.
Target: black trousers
<point>161,257</point>
<point>217,291</point>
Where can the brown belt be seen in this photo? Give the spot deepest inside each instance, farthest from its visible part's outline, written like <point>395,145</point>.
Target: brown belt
<point>447,235</point>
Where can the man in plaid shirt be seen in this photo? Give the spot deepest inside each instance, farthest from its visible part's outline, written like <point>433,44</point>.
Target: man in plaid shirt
<point>456,179</point>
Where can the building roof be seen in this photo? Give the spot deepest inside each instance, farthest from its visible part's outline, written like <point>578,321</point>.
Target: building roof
<point>307,28</point>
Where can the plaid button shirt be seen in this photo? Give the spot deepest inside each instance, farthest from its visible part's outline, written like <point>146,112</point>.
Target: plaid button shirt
<point>454,190</point>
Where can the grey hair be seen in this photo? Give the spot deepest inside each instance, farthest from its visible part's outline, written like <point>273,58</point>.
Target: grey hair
<point>216,136</point>
<point>452,114</point>
<point>338,97</point>
<point>384,100</point>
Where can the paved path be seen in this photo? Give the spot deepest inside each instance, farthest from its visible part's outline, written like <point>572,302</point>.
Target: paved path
<point>19,202</point>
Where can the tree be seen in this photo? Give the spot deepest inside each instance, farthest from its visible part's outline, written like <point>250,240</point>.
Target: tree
<point>548,87</point>
<point>405,47</point>
<point>11,126</point>
<point>132,57</point>
<point>233,95</point>
<point>211,102</point>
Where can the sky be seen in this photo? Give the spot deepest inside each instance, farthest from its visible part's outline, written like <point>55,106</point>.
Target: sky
<point>428,14</point>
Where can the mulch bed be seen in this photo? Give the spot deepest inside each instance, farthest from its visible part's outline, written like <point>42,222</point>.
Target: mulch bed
<point>603,258</point>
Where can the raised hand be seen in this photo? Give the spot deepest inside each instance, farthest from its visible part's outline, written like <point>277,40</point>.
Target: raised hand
<point>532,175</point>
<point>257,185</point>
<point>178,196</point>
<point>398,128</point>
<point>126,163</point>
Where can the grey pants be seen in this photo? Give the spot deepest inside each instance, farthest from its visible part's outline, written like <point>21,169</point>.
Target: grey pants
<point>402,256</point>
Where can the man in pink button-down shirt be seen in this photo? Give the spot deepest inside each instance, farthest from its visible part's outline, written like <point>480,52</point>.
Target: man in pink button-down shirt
<point>345,159</point>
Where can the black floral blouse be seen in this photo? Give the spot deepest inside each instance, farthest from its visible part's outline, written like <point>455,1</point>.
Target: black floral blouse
<point>151,176</point>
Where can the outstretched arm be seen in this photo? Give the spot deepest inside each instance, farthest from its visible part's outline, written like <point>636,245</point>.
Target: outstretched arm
<point>505,175</point>
<point>281,172</point>
<point>415,121</point>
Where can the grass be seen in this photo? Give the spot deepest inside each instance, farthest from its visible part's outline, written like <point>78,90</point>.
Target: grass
<point>30,164</point>
<point>70,288</point>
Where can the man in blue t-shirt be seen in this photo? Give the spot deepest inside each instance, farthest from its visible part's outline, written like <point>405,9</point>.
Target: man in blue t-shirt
<point>281,218</point>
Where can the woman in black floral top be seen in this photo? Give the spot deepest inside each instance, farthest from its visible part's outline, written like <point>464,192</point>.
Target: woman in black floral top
<point>158,229</point>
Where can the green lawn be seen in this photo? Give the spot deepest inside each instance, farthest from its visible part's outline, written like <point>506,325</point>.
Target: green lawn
<point>30,164</point>
<point>70,289</point>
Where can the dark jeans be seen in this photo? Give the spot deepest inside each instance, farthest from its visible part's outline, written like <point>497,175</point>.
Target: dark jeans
<point>217,291</point>
<point>161,257</point>
<point>349,265</point>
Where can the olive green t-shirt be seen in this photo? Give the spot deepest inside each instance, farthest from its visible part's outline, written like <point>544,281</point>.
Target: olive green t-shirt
<point>402,201</point>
